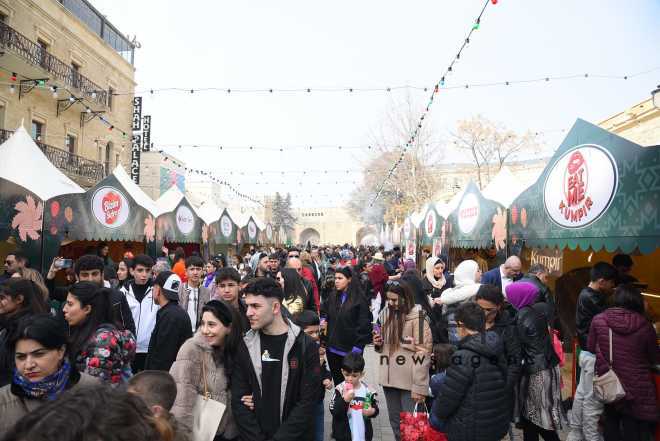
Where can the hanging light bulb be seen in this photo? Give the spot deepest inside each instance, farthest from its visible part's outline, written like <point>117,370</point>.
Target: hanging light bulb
<point>13,76</point>
<point>72,99</point>
<point>54,89</point>
<point>93,94</point>
<point>12,89</point>
<point>88,110</point>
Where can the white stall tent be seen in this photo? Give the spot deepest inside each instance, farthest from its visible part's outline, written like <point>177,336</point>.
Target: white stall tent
<point>24,164</point>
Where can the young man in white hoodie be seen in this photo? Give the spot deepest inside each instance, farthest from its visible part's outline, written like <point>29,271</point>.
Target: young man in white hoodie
<point>140,300</point>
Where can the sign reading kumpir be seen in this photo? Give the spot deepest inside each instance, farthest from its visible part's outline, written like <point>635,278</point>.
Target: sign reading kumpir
<point>551,258</point>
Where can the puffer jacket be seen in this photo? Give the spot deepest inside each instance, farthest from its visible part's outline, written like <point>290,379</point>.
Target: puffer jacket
<point>635,352</point>
<point>413,373</point>
<point>536,344</point>
<point>589,304</point>
<point>108,355</point>
<point>474,392</point>
<point>15,404</point>
<point>505,327</point>
<point>187,372</point>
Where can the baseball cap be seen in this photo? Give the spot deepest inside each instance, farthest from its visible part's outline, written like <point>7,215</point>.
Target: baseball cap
<point>169,283</point>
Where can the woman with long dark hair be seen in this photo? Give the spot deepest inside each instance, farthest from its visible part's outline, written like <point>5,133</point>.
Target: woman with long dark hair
<point>347,320</point>
<point>18,298</point>
<point>124,273</point>
<point>405,345</point>
<point>41,369</point>
<point>296,298</point>
<point>632,340</point>
<point>98,343</point>
<point>207,359</point>
<point>433,313</point>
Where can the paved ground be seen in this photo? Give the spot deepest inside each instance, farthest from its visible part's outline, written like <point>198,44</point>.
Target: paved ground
<point>381,425</point>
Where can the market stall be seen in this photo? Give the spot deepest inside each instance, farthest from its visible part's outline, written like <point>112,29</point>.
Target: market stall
<point>409,238</point>
<point>224,234</point>
<point>178,224</point>
<point>476,229</point>
<point>251,231</point>
<point>27,181</point>
<point>431,231</point>
<point>268,235</point>
<point>210,215</point>
<point>598,196</point>
<point>115,211</point>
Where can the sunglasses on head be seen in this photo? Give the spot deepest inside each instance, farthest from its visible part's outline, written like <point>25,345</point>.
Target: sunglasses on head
<point>392,283</point>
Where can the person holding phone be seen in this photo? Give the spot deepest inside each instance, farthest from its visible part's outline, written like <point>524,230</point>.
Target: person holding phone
<point>403,335</point>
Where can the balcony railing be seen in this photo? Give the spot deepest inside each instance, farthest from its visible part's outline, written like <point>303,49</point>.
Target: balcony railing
<point>69,163</point>
<point>38,56</point>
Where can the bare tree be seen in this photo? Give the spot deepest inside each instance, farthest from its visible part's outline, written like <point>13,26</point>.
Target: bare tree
<point>490,145</point>
<point>414,182</point>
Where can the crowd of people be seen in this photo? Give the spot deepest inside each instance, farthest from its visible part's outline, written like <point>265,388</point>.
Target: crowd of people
<point>127,350</point>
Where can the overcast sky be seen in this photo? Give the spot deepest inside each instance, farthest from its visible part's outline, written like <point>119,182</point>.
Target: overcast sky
<point>364,44</point>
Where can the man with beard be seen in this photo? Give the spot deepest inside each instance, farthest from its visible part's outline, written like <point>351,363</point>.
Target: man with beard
<point>14,262</point>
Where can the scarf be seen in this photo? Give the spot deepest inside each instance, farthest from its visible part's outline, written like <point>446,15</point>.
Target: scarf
<point>521,294</point>
<point>49,387</point>
<point>436,283</point>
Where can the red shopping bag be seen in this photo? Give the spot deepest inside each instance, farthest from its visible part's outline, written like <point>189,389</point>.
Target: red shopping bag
<point>415,426</point>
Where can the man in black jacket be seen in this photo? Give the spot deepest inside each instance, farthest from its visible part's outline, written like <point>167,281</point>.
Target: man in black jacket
<point>587,409</point>
<point>277,369</point>
<point>473,399</point>
<point>538,276</point>
<point>173,326</point>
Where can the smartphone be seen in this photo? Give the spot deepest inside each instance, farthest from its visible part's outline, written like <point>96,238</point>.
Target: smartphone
<point>63,263</point>
<point>376,328</point>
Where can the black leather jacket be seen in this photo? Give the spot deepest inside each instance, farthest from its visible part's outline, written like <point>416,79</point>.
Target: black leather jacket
<point>589,304</point>
<point>536,344</point>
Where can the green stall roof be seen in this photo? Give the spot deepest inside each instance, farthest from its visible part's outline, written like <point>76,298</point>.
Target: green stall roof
<point>598,191</point>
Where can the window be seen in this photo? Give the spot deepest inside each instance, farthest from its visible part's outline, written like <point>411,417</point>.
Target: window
<point>111,91</point>
<point>43,52</point>
<point>71,143</point>
<point>37,131</point>
<point>3,17</point>
<point>75,75</point>
<point>108,155</point>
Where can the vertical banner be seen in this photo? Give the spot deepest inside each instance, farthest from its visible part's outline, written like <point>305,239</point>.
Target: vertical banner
<point>146,133</point>
<point>136,143</point>
<point>137,113</point>
<point>135,158</point>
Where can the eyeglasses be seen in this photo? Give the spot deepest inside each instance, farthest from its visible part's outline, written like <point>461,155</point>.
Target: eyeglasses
<point>8,262</point>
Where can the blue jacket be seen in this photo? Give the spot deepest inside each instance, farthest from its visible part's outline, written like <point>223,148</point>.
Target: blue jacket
<point>494,277</point>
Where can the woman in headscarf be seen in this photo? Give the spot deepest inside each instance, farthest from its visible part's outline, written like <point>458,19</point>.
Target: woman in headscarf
<point>435,280</point>
<point>433,313</point>
<point>466,284</point>
<point>540,391</point>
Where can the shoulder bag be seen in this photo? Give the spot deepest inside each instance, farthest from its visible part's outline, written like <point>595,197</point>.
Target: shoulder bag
<point>607,387</point>
<point>207,412</point>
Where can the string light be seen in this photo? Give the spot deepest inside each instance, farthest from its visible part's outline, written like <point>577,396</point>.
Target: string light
<point>418,127</point>
<point>12,89</point>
